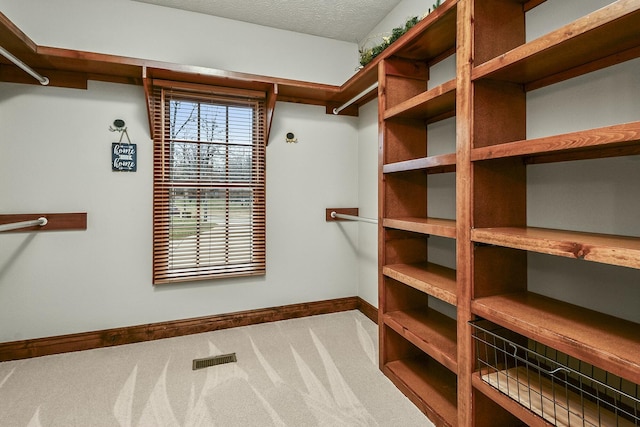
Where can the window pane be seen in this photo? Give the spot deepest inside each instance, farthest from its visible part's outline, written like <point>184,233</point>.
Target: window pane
<point>210,227</point>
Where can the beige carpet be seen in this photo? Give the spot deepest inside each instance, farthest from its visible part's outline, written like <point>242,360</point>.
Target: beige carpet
<point>314,371</point>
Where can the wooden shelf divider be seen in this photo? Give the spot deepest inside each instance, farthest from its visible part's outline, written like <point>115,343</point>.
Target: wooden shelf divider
<point>605,37</point>
<point>430,331</point>
<point>604,248</point>
<point>623,138</point>
<point>442,163</point>
<point>435,226</point>
<point>430,278</point>
<point>431,387</point>
<point>593,337</point>
<point>439,102</point>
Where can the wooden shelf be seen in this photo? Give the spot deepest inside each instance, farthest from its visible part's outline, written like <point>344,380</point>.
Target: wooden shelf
<point>430,386</point>
<point>431,39</point>
<point>430,331</point>
<point>433,105</point>
<point>432,279</point>
<point>435,226</point>
<point>605,37</point>
<point>604,248</point>
<point>596,338</point>
<point>508,403</point>
<point>443,163</point>
<point>543,398</point>
<point>617,140</point>
<point>73,68</point>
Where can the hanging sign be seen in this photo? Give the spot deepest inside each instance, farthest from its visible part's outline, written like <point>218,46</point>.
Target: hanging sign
<point>124,157</point>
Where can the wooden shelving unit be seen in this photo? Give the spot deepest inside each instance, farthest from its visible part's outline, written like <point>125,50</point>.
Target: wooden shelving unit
<point>499,151</point>
<point>496,67</point>
<point>419,345</point>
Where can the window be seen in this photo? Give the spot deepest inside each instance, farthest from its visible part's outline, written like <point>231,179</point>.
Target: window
<point>209,184</point>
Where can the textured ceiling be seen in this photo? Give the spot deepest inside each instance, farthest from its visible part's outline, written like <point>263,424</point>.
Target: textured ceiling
<point>348,20</point>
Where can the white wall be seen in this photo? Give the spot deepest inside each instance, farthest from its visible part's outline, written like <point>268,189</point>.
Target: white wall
<point>590,195</point>
<point>396,18</point>
<point>55,153</point>
<point>368,202</point>
<point>140,30</point>
<point>56,158</point>
<point>599,196</point>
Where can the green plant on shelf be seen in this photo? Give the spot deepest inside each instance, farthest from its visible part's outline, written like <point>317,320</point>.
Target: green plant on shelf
<point>368,54</point>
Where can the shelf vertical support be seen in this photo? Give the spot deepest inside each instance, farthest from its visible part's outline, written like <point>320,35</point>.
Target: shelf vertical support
<point>464,247</point>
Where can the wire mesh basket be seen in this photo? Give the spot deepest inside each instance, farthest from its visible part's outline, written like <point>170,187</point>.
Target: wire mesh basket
<point>563,390</point>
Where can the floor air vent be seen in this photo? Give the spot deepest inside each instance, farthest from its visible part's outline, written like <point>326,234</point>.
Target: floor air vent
<point>214,360</point>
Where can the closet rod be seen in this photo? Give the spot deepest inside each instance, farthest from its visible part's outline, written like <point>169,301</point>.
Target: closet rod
<point>355,98</point>
<point>353,218</point>
<point>43,80</point>
<point>42,221</point>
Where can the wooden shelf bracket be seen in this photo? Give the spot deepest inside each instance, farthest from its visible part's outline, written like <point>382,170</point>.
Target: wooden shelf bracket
<point>43,222</point>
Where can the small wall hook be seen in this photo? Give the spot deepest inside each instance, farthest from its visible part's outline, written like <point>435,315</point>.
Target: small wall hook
<point>291,138</point>
<point>118,126</point>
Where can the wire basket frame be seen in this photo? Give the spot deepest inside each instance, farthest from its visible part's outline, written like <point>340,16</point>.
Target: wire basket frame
<point>563,390</point>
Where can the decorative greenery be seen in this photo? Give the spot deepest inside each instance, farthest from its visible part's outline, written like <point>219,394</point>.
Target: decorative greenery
<point>368,54</point>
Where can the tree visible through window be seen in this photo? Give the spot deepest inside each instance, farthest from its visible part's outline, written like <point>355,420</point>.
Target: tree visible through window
<point>209,187</point>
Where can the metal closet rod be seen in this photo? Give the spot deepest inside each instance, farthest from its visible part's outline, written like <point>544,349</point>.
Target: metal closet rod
<point>43,80</point>
<point>355,98</point>
<point>42,221</point>
<point>335,215</point>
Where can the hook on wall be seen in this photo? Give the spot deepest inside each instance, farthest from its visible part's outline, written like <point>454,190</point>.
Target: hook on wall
<point>291,138</point>
<point>120,126</point>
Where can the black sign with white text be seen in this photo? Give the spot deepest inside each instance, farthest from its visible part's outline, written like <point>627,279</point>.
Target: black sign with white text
<point>123,157</point>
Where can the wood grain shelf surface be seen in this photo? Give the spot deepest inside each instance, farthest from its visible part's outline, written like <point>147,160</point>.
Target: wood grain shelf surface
<point>434,103</point>
<point>430,331</point>
<point>55,221</point>
<point>432,279</point>
<point>435,226</point>
<point>430,38</point>
<point>430,386</point>
<point>542,396</point>
<point>443,163</point>
<point>525,415</point>
<point>604,248</point>
<point>592,143</point>
<point>599,39</point>
<point>602,340</point>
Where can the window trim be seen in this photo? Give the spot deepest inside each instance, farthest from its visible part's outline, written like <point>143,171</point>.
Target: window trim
<point>160,90</point>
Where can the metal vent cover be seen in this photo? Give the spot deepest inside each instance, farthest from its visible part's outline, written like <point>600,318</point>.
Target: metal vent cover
<point>214,360</point>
